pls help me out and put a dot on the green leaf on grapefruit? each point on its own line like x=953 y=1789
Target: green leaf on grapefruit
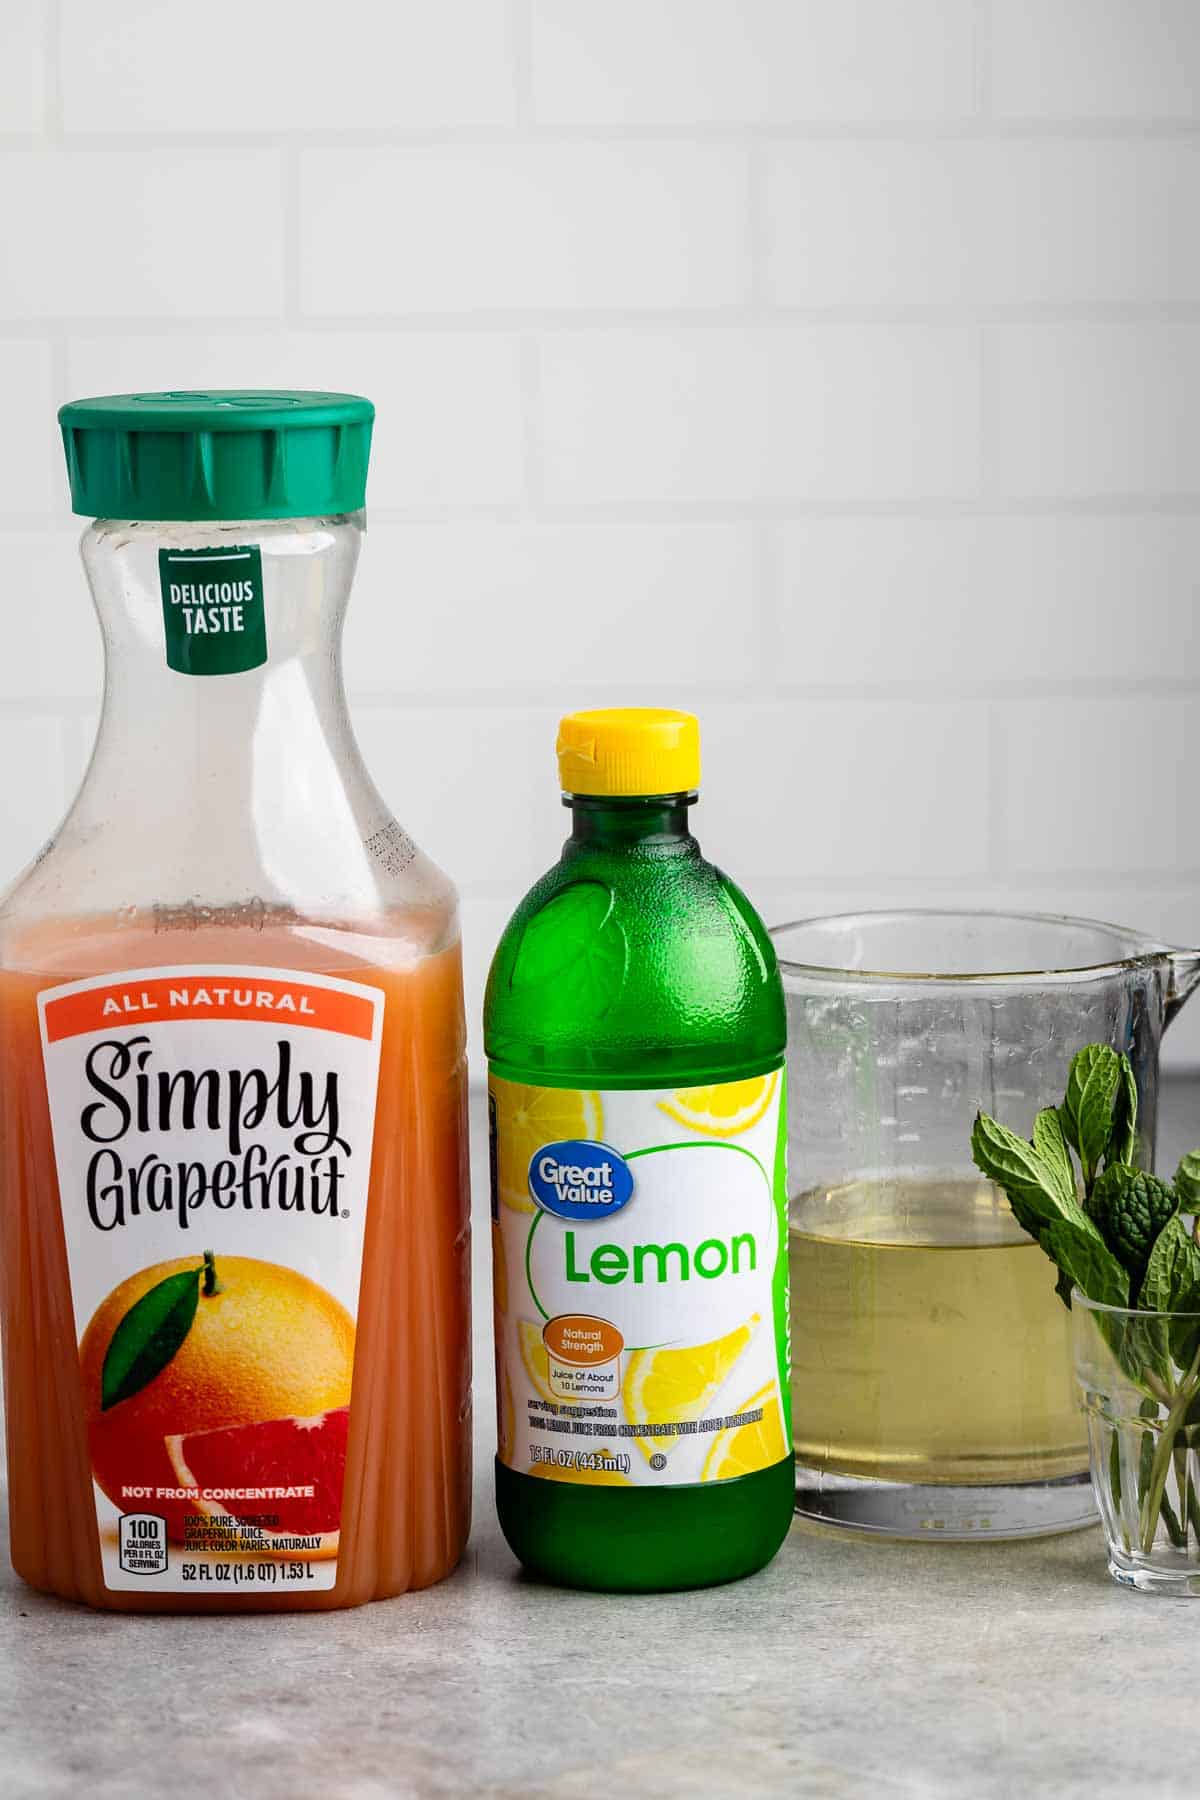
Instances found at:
x=148 y=1336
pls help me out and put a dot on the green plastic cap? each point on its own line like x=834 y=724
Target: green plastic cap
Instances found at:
x=231 y=453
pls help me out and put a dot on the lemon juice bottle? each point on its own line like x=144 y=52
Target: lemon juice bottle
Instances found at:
x=634 y=1025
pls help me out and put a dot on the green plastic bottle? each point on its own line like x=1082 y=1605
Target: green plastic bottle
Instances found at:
x=634 y=1025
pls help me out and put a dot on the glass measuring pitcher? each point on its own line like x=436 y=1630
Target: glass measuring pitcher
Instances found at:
x=931 y=1389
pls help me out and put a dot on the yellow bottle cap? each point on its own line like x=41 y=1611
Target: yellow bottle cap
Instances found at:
x=629 y=750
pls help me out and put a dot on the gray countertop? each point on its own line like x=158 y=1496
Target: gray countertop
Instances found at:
x=846 y=1668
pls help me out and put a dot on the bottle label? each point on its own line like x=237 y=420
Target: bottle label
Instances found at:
x=213 y=613
x=641 y=1281
x=212 y=1138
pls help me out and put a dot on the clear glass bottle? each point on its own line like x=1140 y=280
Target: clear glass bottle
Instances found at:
x=233 y=1195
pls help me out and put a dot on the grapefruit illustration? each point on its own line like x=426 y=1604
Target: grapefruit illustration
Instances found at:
x=309 y=1454
x=246 y=1343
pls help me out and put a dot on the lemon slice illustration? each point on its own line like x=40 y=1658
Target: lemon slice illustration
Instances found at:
x=667 y=1386
x=743 y=1449
x=527 y=1118
x=534 y=1357
x=725 y=1110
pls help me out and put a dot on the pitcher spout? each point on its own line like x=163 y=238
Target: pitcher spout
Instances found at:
x=1182 y=981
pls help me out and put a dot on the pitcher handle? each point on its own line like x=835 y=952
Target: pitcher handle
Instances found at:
x=1183 y=980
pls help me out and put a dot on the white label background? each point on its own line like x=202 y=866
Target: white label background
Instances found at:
x=675 y=1197
x=726 y=1193
x=328 y=1250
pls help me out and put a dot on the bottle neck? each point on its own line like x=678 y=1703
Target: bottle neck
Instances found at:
x=173 y=668
x=231 y=783
x=610 y=822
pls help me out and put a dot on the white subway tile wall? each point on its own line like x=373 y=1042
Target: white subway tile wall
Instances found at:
x=114 y=234
x=869 y=414
x=23 y=67
x=751 y=62
x=829 y=366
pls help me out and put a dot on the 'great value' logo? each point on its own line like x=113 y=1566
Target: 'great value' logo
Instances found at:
x=579 y=1178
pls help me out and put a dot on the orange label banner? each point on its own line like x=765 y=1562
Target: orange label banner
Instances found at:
x=160 y=999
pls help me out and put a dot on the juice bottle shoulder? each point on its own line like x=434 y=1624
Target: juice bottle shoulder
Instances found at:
x=630 y=964
x=239 y=808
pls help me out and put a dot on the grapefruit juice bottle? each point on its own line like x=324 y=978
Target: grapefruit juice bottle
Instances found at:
x=233 y=1202
x=635 y=1033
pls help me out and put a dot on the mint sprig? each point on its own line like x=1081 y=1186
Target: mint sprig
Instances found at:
x=1102 y=1226
x=1119 y=1235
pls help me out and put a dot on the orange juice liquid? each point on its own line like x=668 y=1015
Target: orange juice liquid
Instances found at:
x=406 y=1500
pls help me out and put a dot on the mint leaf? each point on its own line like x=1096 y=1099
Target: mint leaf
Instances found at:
x=1172 y=1284
x=1187 y=1182
x=1082 y=1064
x=1172 y=1279
x=1086 y=1261
x=1087 y=1110
x=1095 y=1115
x=1051 y=1145
x=1122 y=1146
x=1038 y=1178
x=1033 y=1185
x=148 y=1336
x=1130 y=1209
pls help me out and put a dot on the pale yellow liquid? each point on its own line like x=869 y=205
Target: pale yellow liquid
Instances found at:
x=928 y=1344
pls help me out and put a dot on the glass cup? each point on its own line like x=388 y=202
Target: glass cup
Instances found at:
x=1139 y=1373
x=932 y=1391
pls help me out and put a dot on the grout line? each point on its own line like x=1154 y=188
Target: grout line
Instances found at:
x=758 y=227
x=52 y=108
x=982 y=341
x=621 y=136
x=68 y=709
x=520 y=30
x=1175 y=883
x=982 y=72
x=58 y=521
x=782 y=313
x=292 y=238
x=508 y=695
x=57 y=344
x=840 y=892
x=777 y=317
x=81 y=325
x=532 y=445
x=933 y=507
x=769 y=603
x=456 y=513
x=997 y=794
